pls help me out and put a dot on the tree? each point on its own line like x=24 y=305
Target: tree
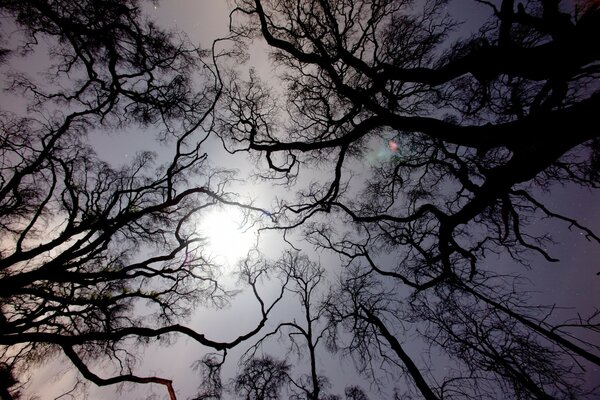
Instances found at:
x=475 y=131
x=304 y=337
x=212 y=386
x=303 y=279
x=355 y=393
x=261 y=378
x=96 y=259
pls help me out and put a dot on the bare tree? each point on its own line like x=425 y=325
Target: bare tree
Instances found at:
x=465 y=125
x=304 y=280
x=360 y=71
x=211 y=387
x=304 y=337
x=261 y=378
x=96 y=259
x=355 y=393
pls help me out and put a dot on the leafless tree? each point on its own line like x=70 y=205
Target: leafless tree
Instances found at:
x=475 y=132
x=304 y=337
x=304 y=280
x=355 y=393
x=211 y=387
x=97 y=259
x=261 y=378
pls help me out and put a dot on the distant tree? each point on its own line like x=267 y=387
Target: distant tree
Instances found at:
x=490 y=351
x=261 y=378
x=96 y=259
x=466 y=126
x=305 y=281
x=464 y=137
x=211 y=387
x=355 y=393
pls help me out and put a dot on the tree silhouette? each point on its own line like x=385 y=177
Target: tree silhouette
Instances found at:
x=305 y=337
x=261 y=379
x=355 y=393
x=464 y=137
x=212 y=386
x=417 y=152
x=95 y=258
x=304 y=280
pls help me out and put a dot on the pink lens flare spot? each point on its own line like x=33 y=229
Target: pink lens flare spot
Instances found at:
x=393 y=145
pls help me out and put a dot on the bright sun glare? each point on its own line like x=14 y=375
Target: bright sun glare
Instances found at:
x=229 y=235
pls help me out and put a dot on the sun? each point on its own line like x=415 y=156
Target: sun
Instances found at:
x=229 y=235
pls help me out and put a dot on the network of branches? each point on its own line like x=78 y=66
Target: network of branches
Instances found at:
x=418 y=152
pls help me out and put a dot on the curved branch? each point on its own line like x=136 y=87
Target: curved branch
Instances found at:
x=85 y=371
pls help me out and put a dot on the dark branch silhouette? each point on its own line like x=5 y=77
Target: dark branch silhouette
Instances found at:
x=469 y=134
x=93 y=254
x=261 y=378
x=416 y=152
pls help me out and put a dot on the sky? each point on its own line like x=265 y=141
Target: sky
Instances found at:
x=572 y=282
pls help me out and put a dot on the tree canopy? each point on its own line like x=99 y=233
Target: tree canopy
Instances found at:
x=416 y=154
